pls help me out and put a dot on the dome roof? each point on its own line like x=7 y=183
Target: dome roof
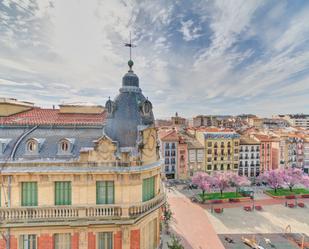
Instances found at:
x=129 y=111
x=130 y=79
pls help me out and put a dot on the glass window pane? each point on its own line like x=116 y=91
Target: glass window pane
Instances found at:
x=63 y=193
x=105 y=240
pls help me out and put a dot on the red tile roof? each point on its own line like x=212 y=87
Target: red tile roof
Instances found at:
x=38 y=116
x=170 y=135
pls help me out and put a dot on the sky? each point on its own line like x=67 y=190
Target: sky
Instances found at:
x=193 y=57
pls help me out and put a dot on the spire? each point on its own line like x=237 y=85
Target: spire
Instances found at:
x=130 y=45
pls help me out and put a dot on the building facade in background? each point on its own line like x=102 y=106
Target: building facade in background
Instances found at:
x=82 y=176
x=249 y=157
x=221 y=149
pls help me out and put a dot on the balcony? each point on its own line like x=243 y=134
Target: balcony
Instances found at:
x=10 y=217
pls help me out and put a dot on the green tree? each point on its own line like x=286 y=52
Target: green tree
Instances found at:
x=175 y=244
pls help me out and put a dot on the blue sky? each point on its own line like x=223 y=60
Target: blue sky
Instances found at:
x=193 y=57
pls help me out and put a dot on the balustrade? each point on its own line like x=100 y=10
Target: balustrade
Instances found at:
x=69 y=213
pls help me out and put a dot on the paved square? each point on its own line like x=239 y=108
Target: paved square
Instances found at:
x=273 y=219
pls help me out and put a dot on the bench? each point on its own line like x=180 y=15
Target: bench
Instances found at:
x=258 y=207
x=247 y=208
x=305 y=196
x=218 y=210
x=291 y=205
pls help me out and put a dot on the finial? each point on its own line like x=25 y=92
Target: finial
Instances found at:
x=130 y=45
x=130 y=63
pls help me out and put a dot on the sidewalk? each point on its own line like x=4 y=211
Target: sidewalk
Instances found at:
x=191 y=224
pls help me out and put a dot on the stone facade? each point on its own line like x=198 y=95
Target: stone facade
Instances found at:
x=74 y=185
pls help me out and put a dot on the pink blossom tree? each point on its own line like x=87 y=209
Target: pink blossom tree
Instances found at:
x=221 y=180
x=203 y=181
x=274 y=178
x=291 y=177
x=238 y=181
x=305 y=181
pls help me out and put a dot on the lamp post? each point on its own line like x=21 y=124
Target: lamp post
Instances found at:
x=252 y=198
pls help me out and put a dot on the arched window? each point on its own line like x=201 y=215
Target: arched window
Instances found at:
x=32 y=146
x=64 y=146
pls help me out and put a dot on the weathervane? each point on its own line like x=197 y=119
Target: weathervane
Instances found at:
x=130 y=45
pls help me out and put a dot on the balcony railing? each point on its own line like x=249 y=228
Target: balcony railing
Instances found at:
x=140 y=208
x=72 y=213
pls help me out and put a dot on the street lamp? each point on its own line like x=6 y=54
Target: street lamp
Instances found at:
x=252 y=198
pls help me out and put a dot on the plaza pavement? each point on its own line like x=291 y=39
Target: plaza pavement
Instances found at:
x=191 y=223
x=273 y=219
x=198 y=228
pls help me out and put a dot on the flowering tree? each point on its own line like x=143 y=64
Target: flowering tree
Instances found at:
x=274 y=178
x=291 y=177
x=238 y=181
x=203 y=181
x=305 y=181
x=221 y=180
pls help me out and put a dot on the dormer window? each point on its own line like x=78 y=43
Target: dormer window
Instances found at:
x=34 y=145
x=3 y=144
x=65 y=146
x=146 y=107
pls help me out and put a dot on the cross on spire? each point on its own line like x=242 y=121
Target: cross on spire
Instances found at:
x=130 y=45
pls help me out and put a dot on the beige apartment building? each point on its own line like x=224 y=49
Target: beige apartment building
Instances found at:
x=82 y=176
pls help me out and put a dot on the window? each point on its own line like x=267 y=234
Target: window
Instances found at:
x=173 y=146
x=236 y=143
x=27 y=241
x=167 y=161
x=228 y=167
x=149 y=235
x=215 y=167
x=173 y=168
x=64 y=146
x=29 y=194
x=167 y=153
x=105 y=192
x=216 y=145
x=32 y=146
x=209 y=151
x=222 y=144
x=173 y=161
x=148 y=188
x=105 y=240
x=167 y=146
x=222 y=167
x=166 y=168
x=208 y=167
x=209 y=144
x=62 y=241
x=63 y=194
x=209 y=159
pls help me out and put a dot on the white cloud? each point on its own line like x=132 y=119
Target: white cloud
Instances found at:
x=73 y=50
x=189 y=31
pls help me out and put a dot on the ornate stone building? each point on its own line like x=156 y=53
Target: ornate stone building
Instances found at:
x=81 y=177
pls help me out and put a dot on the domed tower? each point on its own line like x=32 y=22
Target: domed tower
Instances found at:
x=130 y=119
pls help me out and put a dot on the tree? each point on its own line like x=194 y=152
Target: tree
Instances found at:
x=238 y=181
x=167 y=216
x=291 y=177
x=221 y=180
x=176 y=243
x=203 y=181
x=305 y=181
x=274 y=178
